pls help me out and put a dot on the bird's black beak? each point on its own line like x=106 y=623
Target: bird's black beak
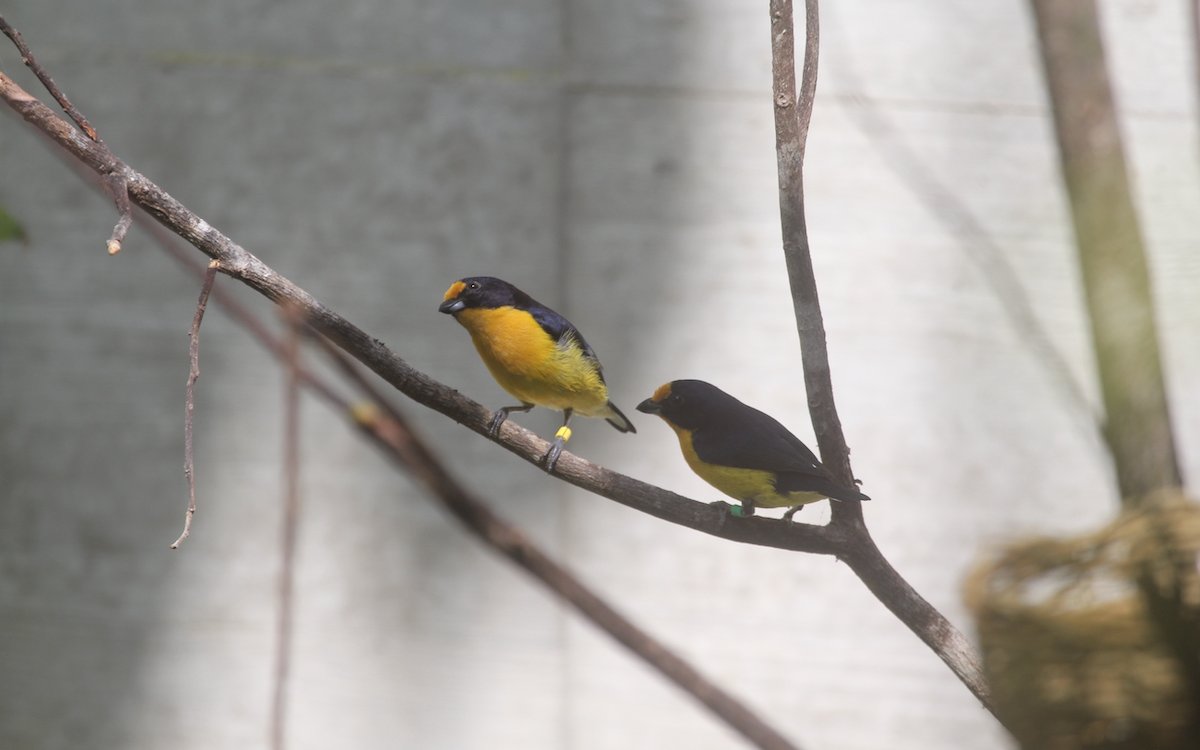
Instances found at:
x=650 y=406
x=451 y=306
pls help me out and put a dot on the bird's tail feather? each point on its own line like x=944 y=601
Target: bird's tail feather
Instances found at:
x=619 y=420
x=845 y=493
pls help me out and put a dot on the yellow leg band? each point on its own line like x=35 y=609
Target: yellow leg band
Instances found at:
x=564 y=433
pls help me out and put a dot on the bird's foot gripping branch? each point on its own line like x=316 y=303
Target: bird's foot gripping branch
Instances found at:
x=534 y=353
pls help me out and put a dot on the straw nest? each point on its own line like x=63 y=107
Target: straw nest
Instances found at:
x=1085 y=640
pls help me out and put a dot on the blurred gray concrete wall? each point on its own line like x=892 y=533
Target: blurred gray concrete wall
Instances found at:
x=616 y=160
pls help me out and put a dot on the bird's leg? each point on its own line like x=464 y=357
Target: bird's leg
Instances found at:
x=502 y=414
x=745 y=511
x=791 y=512
x=560 y=439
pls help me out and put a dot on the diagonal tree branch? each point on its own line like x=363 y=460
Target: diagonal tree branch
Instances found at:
x=793 y=113
x=390 y=429
x=116 y=186
x=846 y=540
x=391 y=433
x=239 y=264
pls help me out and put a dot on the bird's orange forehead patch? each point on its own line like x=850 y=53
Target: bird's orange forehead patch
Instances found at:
x=663 y=391
x=454 y=290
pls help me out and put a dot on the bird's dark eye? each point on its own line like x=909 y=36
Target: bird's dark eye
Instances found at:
x=473 y=285
x=675 y=399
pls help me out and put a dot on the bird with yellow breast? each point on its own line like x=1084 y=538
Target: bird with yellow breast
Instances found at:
x=743 y=452
x=533 y=353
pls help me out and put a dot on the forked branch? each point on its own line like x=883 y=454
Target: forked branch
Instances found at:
x=793 y=112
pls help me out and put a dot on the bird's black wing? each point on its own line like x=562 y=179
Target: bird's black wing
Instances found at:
x=746 y=438
x=561 y=330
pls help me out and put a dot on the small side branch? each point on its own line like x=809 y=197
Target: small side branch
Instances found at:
x=32 y=63
x=189 y=458
x=116 y=183
x=808 y=75
x=118 y=188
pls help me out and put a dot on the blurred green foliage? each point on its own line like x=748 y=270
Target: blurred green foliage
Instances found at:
x=10 y=229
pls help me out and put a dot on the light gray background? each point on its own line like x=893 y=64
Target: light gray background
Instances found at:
x=616 y=160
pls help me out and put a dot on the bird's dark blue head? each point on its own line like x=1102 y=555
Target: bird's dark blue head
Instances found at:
x=690 y=404
x=486 y=292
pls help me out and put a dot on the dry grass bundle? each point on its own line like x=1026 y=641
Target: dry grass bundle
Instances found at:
x=1094 y=642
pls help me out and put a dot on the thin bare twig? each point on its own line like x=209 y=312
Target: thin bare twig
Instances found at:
x=32 y=63
x=289 y=524
x=808 y=74
x=119 y=190
x=860 y=552
x=115 y=183
x=189 y=458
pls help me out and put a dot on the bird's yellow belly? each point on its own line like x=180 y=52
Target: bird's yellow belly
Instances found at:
x=532 y=366
x=742 y=484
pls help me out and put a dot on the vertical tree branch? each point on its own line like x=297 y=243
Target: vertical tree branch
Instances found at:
x=1120 y=302
x=290 y=518
x=793 y=113
x=1116 y=279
